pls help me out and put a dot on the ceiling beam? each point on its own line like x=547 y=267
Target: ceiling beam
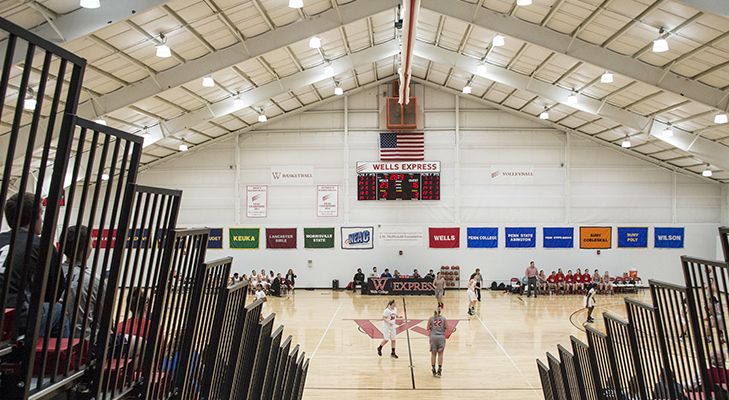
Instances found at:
x=590 y=53
x=717 y=7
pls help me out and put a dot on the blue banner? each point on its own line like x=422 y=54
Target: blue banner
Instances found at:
x=559 y=238
x=668 y=238
x=521 y=237
x=632 y=237
x=215 y=239
x=483 y=238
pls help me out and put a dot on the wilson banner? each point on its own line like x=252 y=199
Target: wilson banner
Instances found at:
x=668 y=238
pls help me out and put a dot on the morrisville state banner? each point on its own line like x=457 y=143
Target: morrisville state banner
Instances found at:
x=280 y=238
x=244 y=238
x=632 y=237
x=318 y=238
x=596 y=237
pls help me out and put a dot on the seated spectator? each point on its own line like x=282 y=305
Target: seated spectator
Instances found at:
x=596 y=279
x=291 y=278
x=552 y=281
x=234 y=279
x=542 y=282
x=386 y=274
x=263 y=279
x=577 y=281
x=415 y=273
x=718 y=375
x=606 y=285
x=81 y=280
x=374 y=274
x=430 y=275
x=396 y=274
x=359 y=279
x=586 y=279
x=276 y=286
x=569 y=282
x=560 y=279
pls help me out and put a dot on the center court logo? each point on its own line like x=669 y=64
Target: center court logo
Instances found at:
x=367 y=326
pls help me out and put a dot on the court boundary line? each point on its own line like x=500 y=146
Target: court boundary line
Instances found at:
x=327 y=330
x=504 y=350
x=410 y=352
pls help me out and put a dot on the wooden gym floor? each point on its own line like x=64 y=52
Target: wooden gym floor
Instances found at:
x=491 y=355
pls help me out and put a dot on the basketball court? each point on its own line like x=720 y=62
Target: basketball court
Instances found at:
x=491 y=355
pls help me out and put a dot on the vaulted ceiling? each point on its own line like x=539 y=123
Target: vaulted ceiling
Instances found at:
x=257 y=52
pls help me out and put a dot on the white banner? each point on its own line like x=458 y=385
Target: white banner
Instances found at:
x=327 y=200
x=368 y=167
x=401 y=236
x=512 y=174
x=292 y=175
x=358 y=238
x=256 y=197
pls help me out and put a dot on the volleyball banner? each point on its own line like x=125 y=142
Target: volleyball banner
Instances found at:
x=357 y=238
x=631 y=237
x=668 y=238
x=559 y=238
x=280 y=238
x=444 y=238
x=482 y=238
x=318 y=238
x=215 y=238
x=521 y=237
x=244 y=238
x=596 y=237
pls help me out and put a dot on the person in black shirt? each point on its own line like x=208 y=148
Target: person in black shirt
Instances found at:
x=276 y=286
x=359 y=279
x=429 y=275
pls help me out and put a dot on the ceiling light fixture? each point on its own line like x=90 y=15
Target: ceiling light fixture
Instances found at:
x=296 y=3
x=315 y=42
x=90 y=3
x=720 y=118
x=523 y=2
x=572 y=98
x=481 y=69
x=329 y=70
x=183 y=145
x=668 y=132
x=467 y=88
x=607 y=77
x=661 y=44
x=707 y=172
x=499 y=40
x=626 y=142
x=338 y=89
x=29 y=103
x=145 y=133
x=208 y=81
x=261 y=115
x=544 y=114
x=104 y=176
x=238 y=102
x=162 y=50
x=100 y=121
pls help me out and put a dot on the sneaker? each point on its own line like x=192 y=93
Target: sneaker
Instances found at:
x=379 y=351
x=590 y=320
x=439 y=373
x=435 y=375
x=393 y=355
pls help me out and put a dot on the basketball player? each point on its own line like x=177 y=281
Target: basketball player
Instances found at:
x=472 y=294
x=439 y=285
x=437 y=327
x=389 y=328
x=261 y=294
x=589 y=301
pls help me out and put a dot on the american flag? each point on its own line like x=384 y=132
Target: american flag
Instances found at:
x=402 y=146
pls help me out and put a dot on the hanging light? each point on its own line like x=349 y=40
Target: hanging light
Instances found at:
x=261 y=115
x=572 y=98
x=668 y=132
x=104 y=176
x=238 y=102
x=145 y=133
x=208 y=81
x=523 y=2
x=90 y=3
x=481 y=69
x=296 y=3
x=315 y=42
x=626 y=142
x=499 y=40
x=720 y=118
x=29 y=102
x=467 y=88
x=100 y=121
x=183 y=145
x=707 y=172
x=661 y=44
x=329 y=70
x=338 y=89
x=162 y=50
x=607 y=77
x=544 y=114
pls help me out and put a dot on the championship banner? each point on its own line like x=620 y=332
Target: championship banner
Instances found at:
x=244 y=238
x=632 y=237
x=559 y=238
x=256 y=199
x=356 y=238
x=668 y=238
x=512 y=174
x=280 y=238
x=521 y=237
x=596 y=237
x=102 y=242
x=444 y=238
x=318 y=238
x=215 y=238
x=292 y=176
x=400 y=236
x=327 y=199
x=482 y=238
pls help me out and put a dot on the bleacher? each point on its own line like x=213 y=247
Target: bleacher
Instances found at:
x=673 y=348
x=164 y=322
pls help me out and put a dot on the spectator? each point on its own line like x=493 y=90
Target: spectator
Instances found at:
x=552 y=281
x=718 y=375
x=606 y=285
x=291 y=277
x=254 y=279
x=415 y=273
x=430 y=275
x=597 y=279
x=386 y=274
x=542 y=278
x=479 y=283
x=531 y=275
x=81 y=279
x=396 y=274
x=569 y=281
x=234 y=279
x=577 y=281
x=560 y=279
x=359 y=279
x=276 y=286
x=716 y=320
x=263 y=279
x=586 y=278
x=374 y=273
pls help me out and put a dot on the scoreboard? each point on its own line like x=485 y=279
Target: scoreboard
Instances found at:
x=396 y=184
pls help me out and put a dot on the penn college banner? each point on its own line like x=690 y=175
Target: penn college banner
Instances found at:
x=559 y=238
x=327 y=199
x=292 y=176
x=482 y=238
x=444 y=238
x=632 y=237
x=520 y=237
x=512 y=174
x=357 y=238
x=401 y=236
x=215 y=239
x=256 y=199
x=668 y=238
x=596 y=237
x=244 y=238
x=318 y=238
x=280 y=238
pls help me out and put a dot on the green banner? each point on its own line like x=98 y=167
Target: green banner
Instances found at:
x=244 y=238
x=318 y=238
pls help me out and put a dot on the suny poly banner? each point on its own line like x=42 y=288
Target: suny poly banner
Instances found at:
x=632 y=237
x=444 y=238
x=355 y=238
x=559 y=238
x=668 y=238
x=521 y=237
x=483 y=238
x=596 y=237
x=244 y=238
x=280 y=238
x=318 y=238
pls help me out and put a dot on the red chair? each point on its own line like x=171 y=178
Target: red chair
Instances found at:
x=7 y=324
x=618 y=284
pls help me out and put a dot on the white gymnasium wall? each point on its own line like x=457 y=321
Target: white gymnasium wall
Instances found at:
x=577 y=182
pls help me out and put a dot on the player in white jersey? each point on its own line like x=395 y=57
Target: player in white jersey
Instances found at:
x=472 y=295
x=389 y=327
x=437 y=325
x=261 y=294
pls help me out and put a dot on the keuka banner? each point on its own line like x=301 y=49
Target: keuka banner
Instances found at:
x=215 y=239
x=668 y=238
x=596 y=237
x=280 y=238
x=444 y=238
x=244 y=238
x=559 y=238
x=318 y=238
x=356 y=238
x=521 y=237
x=483 y=238
x=632 y=237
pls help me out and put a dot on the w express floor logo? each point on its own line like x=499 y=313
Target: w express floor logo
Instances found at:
x=367 y=326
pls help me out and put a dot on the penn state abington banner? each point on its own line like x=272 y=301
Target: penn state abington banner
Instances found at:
x=483 y=238
x=444 y=238
x=521 y=237
x=635 y=237
x=559 y=238
x=668 y=238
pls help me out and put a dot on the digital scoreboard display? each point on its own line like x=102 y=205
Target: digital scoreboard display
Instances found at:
x=398 y=186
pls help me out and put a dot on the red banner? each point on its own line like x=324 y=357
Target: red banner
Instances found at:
x=444 y=238
x=280 y=238
x=97 y=242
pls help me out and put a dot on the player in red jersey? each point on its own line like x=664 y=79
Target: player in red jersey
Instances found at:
x=577 y=281
x=560 y=280
x=552 y=280
x=569 y=282
x=586 y=279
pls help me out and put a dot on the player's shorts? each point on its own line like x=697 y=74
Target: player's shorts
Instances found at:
x=471 y=296
x=437 y=343
x=389 y=332
x=590 y=303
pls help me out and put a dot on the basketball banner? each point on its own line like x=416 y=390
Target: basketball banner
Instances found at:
x=482 y=238
x=318 y=238
x=632 y=237
x=357 y=238
x=559 y=238
x=327 y=197
x=244 y=238
x=596 y=237
x=256 y=199
x=521 y=237
x=280 y=238
x=444 y=238
x=668 y=238
x=215 y=238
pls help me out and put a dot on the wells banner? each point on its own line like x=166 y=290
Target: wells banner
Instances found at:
x=244 y=238
x=280 y=238
x=668 y=238
x=596 y=237
x=559 y=238
x=633 y=237
x=355 y=238
x=521 y=237
x=444 y=238
x=215 y=239
x=318 y=238
x=483 y=238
